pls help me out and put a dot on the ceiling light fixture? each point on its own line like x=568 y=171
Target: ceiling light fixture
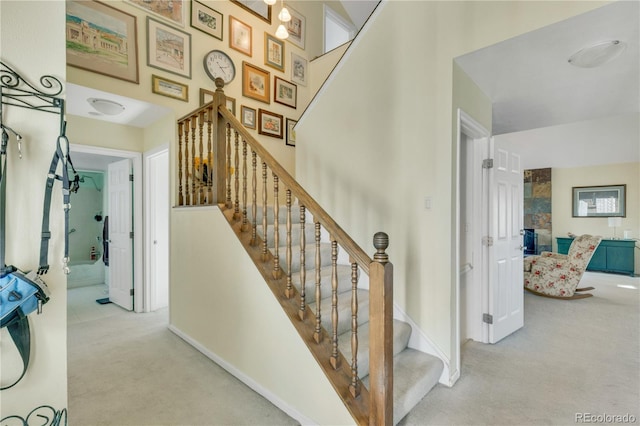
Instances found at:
x=270 y=2
x=106 y=106
x=598 y=54
x=283 y=16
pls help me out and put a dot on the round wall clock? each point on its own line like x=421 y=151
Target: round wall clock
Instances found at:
x=219 y=64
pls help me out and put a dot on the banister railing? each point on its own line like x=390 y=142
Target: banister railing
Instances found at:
x=213 y=168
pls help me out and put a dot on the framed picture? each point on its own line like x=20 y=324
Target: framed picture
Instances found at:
x=240 y=36
x=206 y=96
x=299 y=69
x=206 y=19
x=171 y=11
x=256 y=83
x=296 y=27
x=119 y=57
x=172 y=89
x=258 y=8
x=248 y=117
x=599 y=201
x=168 y=49
x=273 y=52
x=269 y=123
x=291 y=134
x=285 y=92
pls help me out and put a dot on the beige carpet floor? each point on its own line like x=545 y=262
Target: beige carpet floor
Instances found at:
x=571 y=357
x=129 y=369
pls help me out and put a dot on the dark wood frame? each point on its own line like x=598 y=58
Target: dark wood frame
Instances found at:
x=622 y=197
x=290 y=138
x=279 y=82
x=264 y=113
x=265 y=17
x=218 y=33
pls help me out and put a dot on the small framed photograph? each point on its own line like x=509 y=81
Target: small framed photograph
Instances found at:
x=257 y=8
x=248 y=117
x=170 y=11
x=269 y=123
x=273 y=52
x=291 y=133
x=172 y=89
x=599 y=201
x=240 y=36
x=206 y=19
x=296 y=27
x=285 y=92
x=299 y=69
x=256 y=83
x=119 y=27
x=206 y=96
x=168 y=49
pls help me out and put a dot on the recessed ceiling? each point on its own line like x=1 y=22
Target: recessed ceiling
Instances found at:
x=532 y=85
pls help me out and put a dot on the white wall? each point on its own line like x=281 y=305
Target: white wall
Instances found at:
x=373 y=156
x=33 y=55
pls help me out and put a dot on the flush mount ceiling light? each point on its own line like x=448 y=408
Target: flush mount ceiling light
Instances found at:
x=598 y=54
x=106 y=106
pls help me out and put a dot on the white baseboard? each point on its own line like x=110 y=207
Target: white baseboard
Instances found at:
x=422 y=343
x=275 y=400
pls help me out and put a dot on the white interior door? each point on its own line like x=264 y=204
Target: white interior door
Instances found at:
x=158 y=235
x=120 y=234
x=506 y=295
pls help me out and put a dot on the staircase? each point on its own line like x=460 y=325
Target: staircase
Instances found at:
x=314 y=269
x=414 y=372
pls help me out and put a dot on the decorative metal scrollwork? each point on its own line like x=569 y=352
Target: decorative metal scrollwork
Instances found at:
x=16 y=91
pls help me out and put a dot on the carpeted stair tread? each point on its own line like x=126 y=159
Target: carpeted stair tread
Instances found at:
x=309 y=233
x=310 y=256
x=401 y=334
x=415 y=373
x=344 y=281
x=282 y=215
x=344 y=310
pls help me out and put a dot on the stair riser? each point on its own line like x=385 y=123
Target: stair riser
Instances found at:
x=344 y=310
x=309 y=233
x=344 y=281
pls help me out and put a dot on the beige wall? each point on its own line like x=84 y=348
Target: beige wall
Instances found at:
x=372 y=157
x=32 y=55
x=228 y=310
x=85 y=131
x=563 y=180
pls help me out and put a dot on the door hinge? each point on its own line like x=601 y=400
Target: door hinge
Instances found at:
x=487 y=241
x=131 y=234
x=131 y=292
x=488 y=318
x=487 y=163
x=131 y=177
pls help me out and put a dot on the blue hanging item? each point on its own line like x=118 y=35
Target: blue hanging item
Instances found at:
x=23 y=293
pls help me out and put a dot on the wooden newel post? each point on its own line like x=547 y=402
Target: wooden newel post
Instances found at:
x=220 y=150
x=381 y=334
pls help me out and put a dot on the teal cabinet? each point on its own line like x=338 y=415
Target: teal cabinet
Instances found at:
x=610 y=256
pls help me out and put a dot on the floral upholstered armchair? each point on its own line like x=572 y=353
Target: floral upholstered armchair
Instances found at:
x=557 y=275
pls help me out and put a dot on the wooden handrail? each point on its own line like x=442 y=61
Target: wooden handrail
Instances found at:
x=304 y=198
x=213 y=185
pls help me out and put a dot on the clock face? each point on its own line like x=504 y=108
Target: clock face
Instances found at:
x=219 y=64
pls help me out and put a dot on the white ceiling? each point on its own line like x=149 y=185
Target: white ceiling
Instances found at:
x=532 y=85
x=136 y=113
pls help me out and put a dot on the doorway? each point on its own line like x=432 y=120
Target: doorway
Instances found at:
x=100 y=158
